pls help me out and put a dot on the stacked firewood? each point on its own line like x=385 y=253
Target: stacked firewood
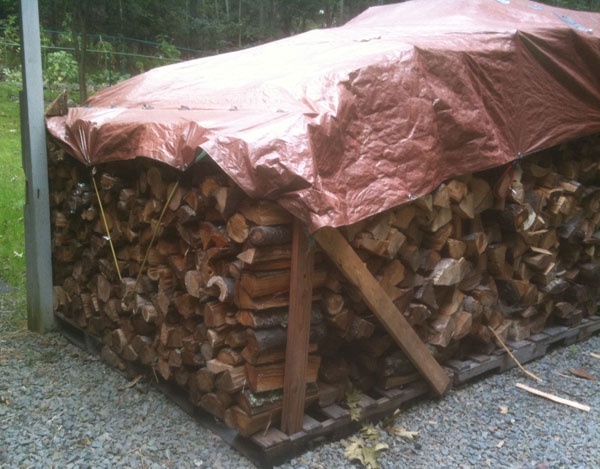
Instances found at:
x=201 y=292
x=505 y=252
x=202 y=285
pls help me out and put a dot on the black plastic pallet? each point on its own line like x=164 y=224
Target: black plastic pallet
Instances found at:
x=274 y=447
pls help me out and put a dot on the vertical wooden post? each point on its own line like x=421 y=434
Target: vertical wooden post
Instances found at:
x=40 y=316
x=298 y=331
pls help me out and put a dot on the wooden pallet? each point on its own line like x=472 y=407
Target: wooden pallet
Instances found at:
x=532 y=348
x=274 y=447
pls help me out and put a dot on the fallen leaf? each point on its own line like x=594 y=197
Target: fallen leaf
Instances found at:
x=353 y=398
x=595 y=355
x=370 y=432
x=390 y=419
x=581 y=373
x=131 y=383
x=358 y=450
x=4 y=400
x=404 y=433
x=503 y=409
x=354 y=414
x=500 y=444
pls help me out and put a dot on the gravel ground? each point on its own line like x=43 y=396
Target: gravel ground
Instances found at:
x=60 y=407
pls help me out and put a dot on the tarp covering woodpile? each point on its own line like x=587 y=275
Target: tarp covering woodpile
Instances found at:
x=340 y=124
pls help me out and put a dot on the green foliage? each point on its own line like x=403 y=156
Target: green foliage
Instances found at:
x=166 y=49
x=11 y=29
x=106 y=77
x=591 y=5
x=61 y=67
x=172 y=30
x=11 y=55
x=11 y=75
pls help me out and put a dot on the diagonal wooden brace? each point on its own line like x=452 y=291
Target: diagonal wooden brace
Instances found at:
x=346 y=259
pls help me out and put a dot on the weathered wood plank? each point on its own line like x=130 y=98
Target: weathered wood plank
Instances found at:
x=298 y=331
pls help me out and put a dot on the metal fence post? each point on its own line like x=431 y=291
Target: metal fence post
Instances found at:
x=40 y=316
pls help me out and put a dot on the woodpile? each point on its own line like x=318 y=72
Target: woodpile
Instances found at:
x=202 y=285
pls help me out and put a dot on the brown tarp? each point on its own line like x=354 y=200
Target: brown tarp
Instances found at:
x=340 y=124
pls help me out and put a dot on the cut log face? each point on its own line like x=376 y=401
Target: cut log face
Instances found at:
x=205 y=294
x=226 y=288
x=237 y=228
x=456 y=248
x=450 y=271
x=262 y=255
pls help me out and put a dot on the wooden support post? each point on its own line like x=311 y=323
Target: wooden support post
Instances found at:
x=342 y=254
x=298 y=331
x=40 y=316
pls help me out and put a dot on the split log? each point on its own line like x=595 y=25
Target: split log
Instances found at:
x=269 y=377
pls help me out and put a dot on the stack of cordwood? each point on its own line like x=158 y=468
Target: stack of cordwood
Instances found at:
x=201 y=294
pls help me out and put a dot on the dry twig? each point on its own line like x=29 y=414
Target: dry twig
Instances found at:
x=554 y=398
x=528 y=373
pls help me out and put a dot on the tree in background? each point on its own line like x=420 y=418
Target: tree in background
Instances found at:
x=175 y=29
x=80 y=9
x=213 y=25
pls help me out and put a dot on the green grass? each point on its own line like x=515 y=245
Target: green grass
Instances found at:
x=12 y=189
x=12 y=201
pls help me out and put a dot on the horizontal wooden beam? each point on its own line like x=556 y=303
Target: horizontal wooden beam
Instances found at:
x=346 y=259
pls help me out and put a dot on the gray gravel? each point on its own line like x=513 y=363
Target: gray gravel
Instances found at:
x=60 y=407
x=491 y=423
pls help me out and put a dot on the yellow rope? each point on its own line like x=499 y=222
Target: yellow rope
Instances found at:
x=528 y=373
x=137 y=280
x=112 y=248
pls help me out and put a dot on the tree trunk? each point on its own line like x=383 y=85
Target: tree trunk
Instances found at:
x=239 y=23
x=79 y=29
